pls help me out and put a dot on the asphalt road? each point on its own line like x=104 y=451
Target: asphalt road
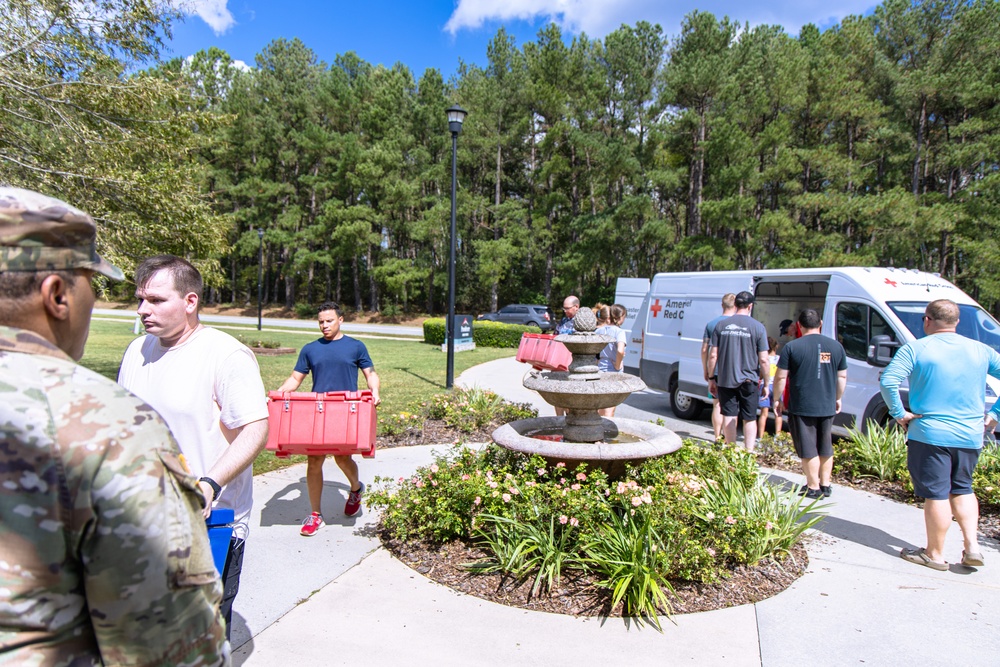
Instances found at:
x=273 y=322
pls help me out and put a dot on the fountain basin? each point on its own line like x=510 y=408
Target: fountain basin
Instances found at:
x=652 y=441
x=606 y=390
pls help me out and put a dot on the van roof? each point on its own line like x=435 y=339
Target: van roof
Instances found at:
x=885 y=283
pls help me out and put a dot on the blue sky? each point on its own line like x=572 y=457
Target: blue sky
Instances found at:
x=439 y=33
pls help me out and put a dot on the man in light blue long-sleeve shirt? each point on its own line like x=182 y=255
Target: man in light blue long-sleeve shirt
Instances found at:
x=947 y=374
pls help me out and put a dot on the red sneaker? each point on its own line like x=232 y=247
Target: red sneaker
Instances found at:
x=312 y=523
x=353 y=505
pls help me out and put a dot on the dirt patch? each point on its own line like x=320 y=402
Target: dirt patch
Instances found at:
x=272 y=351
x=578 y=595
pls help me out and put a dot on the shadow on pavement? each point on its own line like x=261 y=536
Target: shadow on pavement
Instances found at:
x=859 y=533
x=242 y=638
x=290 y=505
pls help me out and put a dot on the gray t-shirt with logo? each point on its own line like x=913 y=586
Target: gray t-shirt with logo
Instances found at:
x=739 y=339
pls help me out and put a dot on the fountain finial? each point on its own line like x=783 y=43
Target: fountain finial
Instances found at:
x=585 y=321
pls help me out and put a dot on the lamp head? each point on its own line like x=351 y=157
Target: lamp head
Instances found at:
x=456 y=116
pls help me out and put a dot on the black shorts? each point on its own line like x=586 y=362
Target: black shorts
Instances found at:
x=938 y=472
x=741 y=400
x=812 y=436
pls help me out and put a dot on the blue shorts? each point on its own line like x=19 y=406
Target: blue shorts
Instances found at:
x=938 y=472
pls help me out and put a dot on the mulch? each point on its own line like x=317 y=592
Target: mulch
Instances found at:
x=577 y=594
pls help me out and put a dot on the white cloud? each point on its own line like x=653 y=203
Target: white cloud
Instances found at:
x=213 y=12
x=599 y=17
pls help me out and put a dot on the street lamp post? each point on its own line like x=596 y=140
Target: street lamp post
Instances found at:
x=456 y=115
x=260 y=278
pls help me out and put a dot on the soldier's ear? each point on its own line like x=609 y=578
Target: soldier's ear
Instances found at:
x=54 y=290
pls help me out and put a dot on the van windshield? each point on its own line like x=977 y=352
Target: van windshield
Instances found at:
x=973 y=321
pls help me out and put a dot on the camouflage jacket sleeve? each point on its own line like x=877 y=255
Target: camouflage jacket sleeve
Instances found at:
x=101 y=525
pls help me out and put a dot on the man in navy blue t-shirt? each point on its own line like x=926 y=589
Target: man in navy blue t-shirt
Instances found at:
x=334 y=361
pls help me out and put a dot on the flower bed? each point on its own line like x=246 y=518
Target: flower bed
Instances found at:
x=694 y=516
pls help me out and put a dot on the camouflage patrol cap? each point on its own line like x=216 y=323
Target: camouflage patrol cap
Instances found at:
x=39 y=233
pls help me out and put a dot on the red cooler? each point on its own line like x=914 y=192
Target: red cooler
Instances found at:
x=335 y=422
x=543 y=352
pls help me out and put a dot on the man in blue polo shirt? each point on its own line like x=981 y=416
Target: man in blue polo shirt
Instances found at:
x=947 y=374
x=334 y=361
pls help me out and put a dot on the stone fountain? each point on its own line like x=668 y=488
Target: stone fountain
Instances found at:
x=583 y=435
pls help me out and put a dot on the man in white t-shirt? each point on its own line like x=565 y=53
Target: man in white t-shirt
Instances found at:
x=207 y=387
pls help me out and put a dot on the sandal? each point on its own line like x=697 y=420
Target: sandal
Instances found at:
x=920 y=557
x=972 y=559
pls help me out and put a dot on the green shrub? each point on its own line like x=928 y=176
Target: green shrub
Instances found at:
x=484 y=333
x=879 y=452
x=631 y=556
x=986 y=477
x=468 y=410
x=305 y=310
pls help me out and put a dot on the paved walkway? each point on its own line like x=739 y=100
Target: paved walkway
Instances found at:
x=339 y=599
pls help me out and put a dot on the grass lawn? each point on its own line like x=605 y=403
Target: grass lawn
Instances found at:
x=411 y=371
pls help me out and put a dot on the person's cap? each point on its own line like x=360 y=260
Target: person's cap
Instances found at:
x=744 y=299
x=783 y=327
x=39 y=233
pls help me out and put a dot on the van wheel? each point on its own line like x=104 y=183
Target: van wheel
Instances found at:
x=684 y=406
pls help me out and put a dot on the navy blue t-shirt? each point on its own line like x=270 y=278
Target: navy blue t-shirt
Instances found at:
x=334 y=364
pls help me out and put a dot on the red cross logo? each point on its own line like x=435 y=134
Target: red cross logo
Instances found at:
x=656 y=308
x=890 y=282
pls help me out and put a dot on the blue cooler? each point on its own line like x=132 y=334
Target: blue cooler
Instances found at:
x=220 y=532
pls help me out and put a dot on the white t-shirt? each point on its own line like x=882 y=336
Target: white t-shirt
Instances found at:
x=205 y=388
x=606 y=362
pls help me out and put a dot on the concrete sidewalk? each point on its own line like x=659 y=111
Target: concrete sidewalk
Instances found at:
x=338 y=598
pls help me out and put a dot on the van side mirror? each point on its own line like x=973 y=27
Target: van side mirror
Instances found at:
x=880 y=350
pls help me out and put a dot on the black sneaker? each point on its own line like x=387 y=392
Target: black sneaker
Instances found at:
x=813 y=494
x=827 y=490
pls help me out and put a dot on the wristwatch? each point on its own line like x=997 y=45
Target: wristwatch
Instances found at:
x=216 y=489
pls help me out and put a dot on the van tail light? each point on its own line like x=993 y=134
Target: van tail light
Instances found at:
x=547 y=319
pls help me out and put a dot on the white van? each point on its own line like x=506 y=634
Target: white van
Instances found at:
x=856 y=304
x=631 y=293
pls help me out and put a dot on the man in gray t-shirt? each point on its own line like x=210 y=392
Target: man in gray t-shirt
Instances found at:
x=740 y=369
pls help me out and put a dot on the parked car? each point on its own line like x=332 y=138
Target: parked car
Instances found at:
x=531 y=315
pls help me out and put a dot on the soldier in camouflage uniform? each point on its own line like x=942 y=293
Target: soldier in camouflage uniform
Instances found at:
x=105 y=557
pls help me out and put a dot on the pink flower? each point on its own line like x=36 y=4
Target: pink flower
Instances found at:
x=477 y=500
x=562 y=480
x=730 y=520
x=531 y=483
x=768 y=526
x=506 y=497
x=541 y=471
x=434 y=467
x=419 y=484
x=465 y=478
x=514 y=491
x=580 y=476
x=574 y=522
x=496 y=494
x=400 y=480
x=711 y=551
x=492 y=485
x=560 y=465
x=563 y=519
x=636 y=500
x=575 y=487
x=433 y=483
x=710 y=516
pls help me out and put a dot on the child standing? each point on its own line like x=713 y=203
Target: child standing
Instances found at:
x=765 y=403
